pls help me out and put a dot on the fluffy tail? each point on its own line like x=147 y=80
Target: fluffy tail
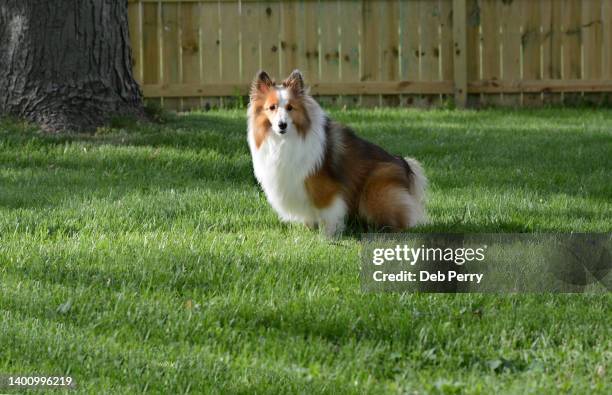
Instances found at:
x=418 y=187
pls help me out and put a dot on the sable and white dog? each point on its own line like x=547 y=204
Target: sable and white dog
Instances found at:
x=318 y=172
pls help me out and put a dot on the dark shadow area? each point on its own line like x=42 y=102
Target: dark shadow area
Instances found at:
x=196 y=131
x=43 y=170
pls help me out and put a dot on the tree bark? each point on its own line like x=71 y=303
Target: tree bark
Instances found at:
x=67 y=64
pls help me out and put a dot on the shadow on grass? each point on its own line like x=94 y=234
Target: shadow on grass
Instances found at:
x=42 y=170
x=196 y=131
x=39 y=170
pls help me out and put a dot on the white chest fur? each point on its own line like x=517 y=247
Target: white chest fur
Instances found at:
x=282 y=164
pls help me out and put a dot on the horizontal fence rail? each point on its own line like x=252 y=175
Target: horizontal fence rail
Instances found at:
x=201 y=53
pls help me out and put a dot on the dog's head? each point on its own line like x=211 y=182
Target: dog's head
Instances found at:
x=280 y=107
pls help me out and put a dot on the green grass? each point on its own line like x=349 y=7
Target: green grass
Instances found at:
x=147 y=259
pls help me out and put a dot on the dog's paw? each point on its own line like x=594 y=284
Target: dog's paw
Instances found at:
x=333 y=230
x=312 y=225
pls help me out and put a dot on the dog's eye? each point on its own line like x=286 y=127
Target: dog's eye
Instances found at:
x=272 y=107
x=289 y=107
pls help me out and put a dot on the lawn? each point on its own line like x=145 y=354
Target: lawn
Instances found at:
x=145 y=258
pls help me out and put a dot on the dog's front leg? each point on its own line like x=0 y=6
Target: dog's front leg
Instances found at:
x=332 y=217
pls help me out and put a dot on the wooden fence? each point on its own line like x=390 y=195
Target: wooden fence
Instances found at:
x=194 y=53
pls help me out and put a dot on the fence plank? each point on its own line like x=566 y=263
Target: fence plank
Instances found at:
x=150 y=44
x=430 y=48
x=308 y=50
x=428 y=12
x=210 y=42
x=572 y=44
x=371 y=65
x=249 y=39
x=389 y=47
x=371 y=61
x=531 y=40
x=511 y=49
x=328 y=41
x=607 y=40
x=490 y=16
x=446 y=39
x=350 y=54
x=389 y=44
x=460 y=53
x=230 y=48
x=410 y=46
x=473 y=46
x=269 y=24
x=551 y=45
x=288 y=44
x=170 y=50
x=592 y=37
x=329 y=64
x=190 y=50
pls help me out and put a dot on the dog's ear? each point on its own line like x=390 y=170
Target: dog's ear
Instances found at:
x=261 y=84
x=295 y=82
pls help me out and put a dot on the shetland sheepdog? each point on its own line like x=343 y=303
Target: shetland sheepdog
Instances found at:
x=317 y=172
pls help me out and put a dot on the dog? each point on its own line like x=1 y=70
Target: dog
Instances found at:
x=318 y=172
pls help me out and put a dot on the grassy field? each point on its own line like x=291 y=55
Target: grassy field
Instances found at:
x=145 y=258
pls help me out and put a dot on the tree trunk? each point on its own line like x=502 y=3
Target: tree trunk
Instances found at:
x=67 y=64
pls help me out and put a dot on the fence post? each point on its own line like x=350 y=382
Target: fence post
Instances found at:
x=460 y=52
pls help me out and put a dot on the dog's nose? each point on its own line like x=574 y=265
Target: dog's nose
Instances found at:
x=282 y=125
